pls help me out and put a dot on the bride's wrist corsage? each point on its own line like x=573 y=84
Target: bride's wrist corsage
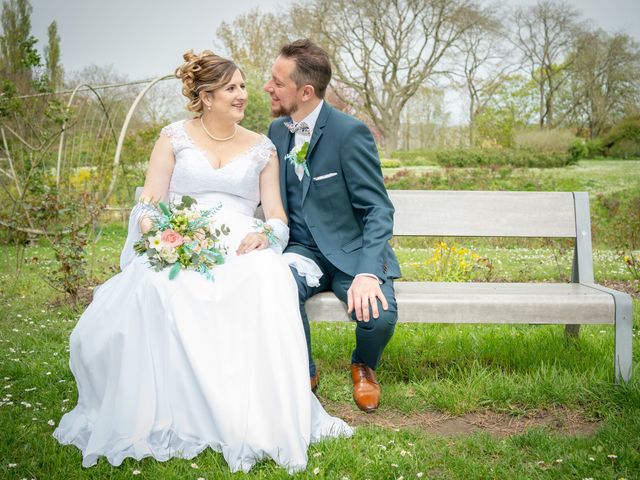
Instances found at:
x=298 y=158
x=267 y=231
x=276 y=231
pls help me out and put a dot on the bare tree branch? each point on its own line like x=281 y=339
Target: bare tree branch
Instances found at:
x=385 y=50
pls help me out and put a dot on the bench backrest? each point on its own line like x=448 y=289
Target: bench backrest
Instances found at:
x=443 y=213
x=483 y=214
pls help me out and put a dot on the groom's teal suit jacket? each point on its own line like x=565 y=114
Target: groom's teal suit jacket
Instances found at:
x=344 y=201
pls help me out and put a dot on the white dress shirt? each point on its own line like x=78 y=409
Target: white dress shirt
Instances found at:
x=310 y=120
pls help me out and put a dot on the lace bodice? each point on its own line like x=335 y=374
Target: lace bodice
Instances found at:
x=236 y=185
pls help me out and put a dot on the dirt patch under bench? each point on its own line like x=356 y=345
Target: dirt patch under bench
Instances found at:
x=562 y=421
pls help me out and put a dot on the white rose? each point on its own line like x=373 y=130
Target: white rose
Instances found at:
x=192 y=214
x=168 y=254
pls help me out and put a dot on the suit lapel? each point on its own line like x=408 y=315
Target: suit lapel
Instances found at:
x=317 y=133
x=283 y=143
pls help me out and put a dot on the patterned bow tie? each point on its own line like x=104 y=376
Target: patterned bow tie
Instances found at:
x=301 y=127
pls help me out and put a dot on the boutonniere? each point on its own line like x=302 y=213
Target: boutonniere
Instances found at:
x=298 y=158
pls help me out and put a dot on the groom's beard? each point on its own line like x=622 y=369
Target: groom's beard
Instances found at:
x=283 y=111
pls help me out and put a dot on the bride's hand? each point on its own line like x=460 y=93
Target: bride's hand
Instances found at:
x=145 y=225
x=253 y=241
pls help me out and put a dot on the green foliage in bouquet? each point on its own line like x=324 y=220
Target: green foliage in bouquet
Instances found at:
x=183 y=237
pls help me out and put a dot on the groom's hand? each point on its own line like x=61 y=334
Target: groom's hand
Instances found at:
x=363 y=292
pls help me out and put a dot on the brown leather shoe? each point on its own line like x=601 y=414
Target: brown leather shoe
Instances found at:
x=315 y=381
x=366 y=390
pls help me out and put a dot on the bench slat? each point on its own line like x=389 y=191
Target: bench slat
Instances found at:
x=438 y=302
x=483 y=214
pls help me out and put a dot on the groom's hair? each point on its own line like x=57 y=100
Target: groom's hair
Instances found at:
x=313 y=66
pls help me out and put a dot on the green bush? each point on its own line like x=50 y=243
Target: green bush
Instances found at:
x=390 y=163
x=500 y=178
x=616 y=219
x=414 y=158
x=623 y=141
x=595 y=148
x=483 y=157
x=476 y=157
x=624 y=148
x=578 y=149
x=536 y=140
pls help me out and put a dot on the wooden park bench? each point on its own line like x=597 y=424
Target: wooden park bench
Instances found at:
x=501 y=214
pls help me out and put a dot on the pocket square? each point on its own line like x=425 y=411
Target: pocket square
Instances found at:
x=324 y=177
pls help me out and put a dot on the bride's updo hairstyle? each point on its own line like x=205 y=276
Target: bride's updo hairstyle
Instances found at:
x=204 y=72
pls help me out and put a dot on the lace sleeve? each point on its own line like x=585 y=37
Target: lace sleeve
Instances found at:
x=265 y=150
x=176 y=133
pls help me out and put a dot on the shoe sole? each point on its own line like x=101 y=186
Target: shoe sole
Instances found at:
x=366 y=410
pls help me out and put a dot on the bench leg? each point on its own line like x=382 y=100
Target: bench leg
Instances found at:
x=572 y=331
x=624 y=331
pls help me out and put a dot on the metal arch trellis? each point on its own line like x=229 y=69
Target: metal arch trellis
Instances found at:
x=64 y=125
x=64 y=160
x=123 y=132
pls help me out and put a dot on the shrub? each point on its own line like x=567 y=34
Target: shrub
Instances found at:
x=475 y=157
x=412 y=158
x=623 y=141
x=624 y=149
x=578 y=149
x=500 y=178
x=556 y=140
x=616 y=223
x=390 y=163
x=616 y=218
x=595 y=148
x=70 y=275
x=632 y=262
x=455 y=263
x=483 y=157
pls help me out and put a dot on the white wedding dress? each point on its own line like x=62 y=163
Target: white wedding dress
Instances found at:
x=166 y=368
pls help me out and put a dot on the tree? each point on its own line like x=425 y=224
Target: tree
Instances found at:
x=17 y=46
x=52 y=57
x=511 y=107
x=605 y=80
x=485 y=64
x=424 y=120
x=253 y=40
x=545 y=34
x=257 y=115
x=386 y=49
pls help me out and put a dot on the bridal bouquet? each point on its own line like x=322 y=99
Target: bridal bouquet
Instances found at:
x=183 y=237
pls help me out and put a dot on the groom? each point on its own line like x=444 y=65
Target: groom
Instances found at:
x=340 y=216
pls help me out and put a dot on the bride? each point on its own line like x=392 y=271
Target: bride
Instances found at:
x=166 y=368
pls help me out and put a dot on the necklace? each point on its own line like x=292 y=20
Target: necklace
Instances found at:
x=235 y=130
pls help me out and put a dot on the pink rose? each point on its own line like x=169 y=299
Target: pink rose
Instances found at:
x=171 y=238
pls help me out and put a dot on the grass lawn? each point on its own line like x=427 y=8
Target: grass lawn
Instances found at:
x=602 y=176
x=459 y=401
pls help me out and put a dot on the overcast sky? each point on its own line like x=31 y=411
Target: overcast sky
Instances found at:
x=146 y=38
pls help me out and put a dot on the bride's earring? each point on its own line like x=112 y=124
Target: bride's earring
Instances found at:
x=208 y=107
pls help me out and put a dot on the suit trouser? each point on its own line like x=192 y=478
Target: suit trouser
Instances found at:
x=371 y=336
